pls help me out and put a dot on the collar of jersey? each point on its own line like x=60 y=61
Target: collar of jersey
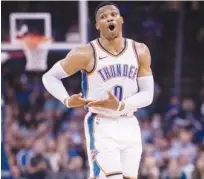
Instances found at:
x=120 y=53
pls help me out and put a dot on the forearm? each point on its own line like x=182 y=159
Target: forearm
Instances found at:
x=53 y=84
x=144 y=97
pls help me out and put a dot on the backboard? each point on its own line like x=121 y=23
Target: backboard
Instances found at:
x=40 y=19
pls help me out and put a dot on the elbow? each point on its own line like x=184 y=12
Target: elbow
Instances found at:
x=149 y=102
x=147 y=99
x=150 y=98
x=44 y=79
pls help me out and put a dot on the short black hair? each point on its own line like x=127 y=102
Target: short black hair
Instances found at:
x=105 y=3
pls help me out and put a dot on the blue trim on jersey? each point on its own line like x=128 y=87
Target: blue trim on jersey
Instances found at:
x=91 y=145
x=94 y=53
x=84 y=84
x=96 y=169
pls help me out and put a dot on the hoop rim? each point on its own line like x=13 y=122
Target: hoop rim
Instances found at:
x=32 y=41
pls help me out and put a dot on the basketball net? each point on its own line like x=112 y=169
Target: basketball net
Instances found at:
x=36 y=56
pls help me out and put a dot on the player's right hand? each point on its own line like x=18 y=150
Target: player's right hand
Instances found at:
x=76 y=100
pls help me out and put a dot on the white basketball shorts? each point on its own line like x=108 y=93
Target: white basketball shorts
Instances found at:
x=114 y=146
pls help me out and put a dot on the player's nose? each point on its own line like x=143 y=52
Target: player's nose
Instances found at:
x=110 y=19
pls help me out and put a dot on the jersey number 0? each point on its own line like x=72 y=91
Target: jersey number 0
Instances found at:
x=118 y=92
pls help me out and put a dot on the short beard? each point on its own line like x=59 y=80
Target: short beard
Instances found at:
x=112 y=38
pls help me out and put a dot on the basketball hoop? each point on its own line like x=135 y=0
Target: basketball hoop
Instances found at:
x=35 y=51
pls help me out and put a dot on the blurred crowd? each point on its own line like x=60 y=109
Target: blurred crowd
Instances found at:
x=44 y=139
x=173 y=140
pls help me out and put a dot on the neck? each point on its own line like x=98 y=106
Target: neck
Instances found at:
x=114 y=46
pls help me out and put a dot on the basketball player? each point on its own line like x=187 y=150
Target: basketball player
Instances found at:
x=116 y=81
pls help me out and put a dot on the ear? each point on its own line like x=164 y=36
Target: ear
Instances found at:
x=122 y=19
x=97 y=26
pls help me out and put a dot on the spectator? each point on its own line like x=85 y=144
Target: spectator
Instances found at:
x=198 y=172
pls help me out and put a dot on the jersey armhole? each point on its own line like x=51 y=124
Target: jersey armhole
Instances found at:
x=137 y=56
x=135 y=51
x=94 y=58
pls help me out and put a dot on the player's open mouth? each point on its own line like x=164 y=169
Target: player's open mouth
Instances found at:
x=111 y=27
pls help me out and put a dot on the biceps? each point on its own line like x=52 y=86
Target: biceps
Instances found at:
x=144 y=71
x=145 y=63
x=73 y=62
x=69 y=66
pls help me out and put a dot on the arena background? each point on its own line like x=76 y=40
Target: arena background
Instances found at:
x=43 y=139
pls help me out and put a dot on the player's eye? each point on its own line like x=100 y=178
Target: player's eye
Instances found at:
x=113 y=14
x=103 y=17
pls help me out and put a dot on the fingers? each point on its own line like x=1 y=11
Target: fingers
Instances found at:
x=76 y=100
x=77 y=95
x=110 y=95
x=92 y=103
x=97 y=103
x=88 y=101
x=85 y=101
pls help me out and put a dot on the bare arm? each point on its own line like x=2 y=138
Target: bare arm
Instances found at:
x=78 y=59
x=144 y=60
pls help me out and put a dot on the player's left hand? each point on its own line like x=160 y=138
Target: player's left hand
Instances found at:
x=111 y=102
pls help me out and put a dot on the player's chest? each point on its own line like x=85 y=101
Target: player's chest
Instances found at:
x=110 y=68
x=104 y=59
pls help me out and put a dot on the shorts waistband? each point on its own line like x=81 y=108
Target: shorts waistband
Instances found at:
x=114 y=115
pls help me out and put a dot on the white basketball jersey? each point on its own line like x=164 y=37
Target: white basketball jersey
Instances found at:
x=116 y=73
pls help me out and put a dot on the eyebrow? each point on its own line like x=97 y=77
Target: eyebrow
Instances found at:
x=103 y=11
x=113 y=9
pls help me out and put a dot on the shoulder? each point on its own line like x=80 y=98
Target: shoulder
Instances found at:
x=81 y=54
x=79 y=58
x=85 y=50
x=141 y=48
x=144 y=59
